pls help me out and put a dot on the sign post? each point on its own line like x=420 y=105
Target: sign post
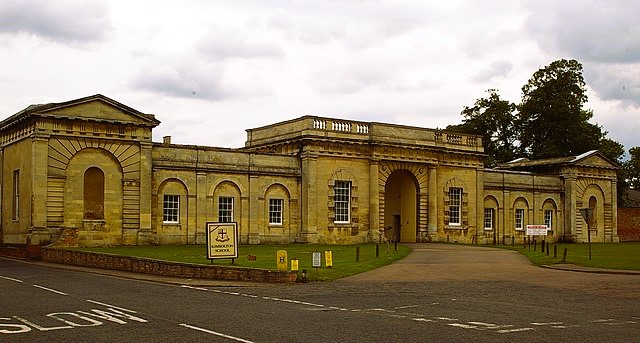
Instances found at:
x=536 y=230
x=222 y=241
x=587 y=214
x=317 y=260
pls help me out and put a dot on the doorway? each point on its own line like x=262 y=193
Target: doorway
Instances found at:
x=401 y=207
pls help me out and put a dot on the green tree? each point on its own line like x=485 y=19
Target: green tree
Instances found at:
x=551 y=118
x=615 y=151
x=632 y=168
x=494 y=119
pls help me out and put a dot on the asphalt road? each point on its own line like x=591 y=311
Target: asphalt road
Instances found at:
x=440 y=293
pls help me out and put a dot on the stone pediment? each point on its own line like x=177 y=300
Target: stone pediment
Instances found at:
x=594 y=158
x=93 y=108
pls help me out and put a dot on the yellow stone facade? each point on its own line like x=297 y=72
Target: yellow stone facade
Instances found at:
x=86 y=173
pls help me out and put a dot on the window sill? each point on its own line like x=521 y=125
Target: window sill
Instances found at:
x=455 y=227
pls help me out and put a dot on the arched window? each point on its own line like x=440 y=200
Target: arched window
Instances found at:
x=94 y=193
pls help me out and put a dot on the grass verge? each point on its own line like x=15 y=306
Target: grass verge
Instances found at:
x=624 y=256
x=344 y=256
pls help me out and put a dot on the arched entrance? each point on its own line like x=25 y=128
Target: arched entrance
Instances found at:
x=401 y=207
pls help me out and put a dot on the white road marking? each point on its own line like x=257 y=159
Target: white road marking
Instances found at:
x=602 y=320
x=464 y=326
x=515 y=330
x=500 y=328
x=215 y=333
x=111 y=306
x=50 y=290
x=10 y=278
x=550 y=323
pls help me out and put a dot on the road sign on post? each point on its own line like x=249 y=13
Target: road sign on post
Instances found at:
x=537 y=230
x=587 y=214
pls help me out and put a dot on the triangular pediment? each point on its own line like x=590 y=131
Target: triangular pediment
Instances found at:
x=594 y=159
x=96 y=107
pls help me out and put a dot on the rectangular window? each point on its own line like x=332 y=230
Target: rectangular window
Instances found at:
x=275 y=211
x=548 y=219
x=225 y=209
x=455 y=206
x=171 y=209
x=488 y=219
x=342 y=201
x=16 y=195
x=519 y=219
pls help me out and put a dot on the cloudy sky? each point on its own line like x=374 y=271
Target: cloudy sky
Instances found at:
x=209 y=70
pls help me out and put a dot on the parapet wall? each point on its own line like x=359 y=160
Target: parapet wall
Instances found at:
x=164 y=268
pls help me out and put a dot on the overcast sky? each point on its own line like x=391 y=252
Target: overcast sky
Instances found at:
x=208 y=70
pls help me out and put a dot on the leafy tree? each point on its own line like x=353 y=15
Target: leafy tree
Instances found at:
x=615 y=151
x=551 y=118
x=494 y=119
x=632 y=168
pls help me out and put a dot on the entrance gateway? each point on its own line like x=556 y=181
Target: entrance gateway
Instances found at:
x=401 y=207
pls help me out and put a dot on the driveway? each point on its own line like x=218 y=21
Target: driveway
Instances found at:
x=450 y=262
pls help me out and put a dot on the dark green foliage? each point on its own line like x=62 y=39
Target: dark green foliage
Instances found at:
x=550 y=122
x=493 y=118
x=551 y=118
x=632 y=168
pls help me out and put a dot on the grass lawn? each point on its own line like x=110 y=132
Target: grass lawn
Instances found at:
x=344 y=256
x=603 y=255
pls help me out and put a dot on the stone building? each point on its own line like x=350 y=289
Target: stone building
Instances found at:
x=86 y=172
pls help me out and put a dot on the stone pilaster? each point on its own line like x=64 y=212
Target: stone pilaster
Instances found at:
x=39 y=162
x=570 y=208
x=374 y=203
x=433 y=202
x=201 y=208
x=309 y=229
x=145 y=234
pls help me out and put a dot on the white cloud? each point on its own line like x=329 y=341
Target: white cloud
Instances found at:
x=57 y=20
x=197 y=64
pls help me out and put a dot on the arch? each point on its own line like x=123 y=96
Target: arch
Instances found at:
x=490 y=217
x=520 y=214
x=172 y=202
x=401 y=206
x=93 y=193
x=172 y=179
x=420 y=173
x=63 y=149
x=227 y=202
x=85 y=171
x=593 y=197
x=277 y=211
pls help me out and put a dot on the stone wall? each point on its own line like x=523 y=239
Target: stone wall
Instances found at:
x=164 y=268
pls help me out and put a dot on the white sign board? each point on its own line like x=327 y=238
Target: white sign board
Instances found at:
x=222 y=240
x=317 y=260
x=536 y=230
